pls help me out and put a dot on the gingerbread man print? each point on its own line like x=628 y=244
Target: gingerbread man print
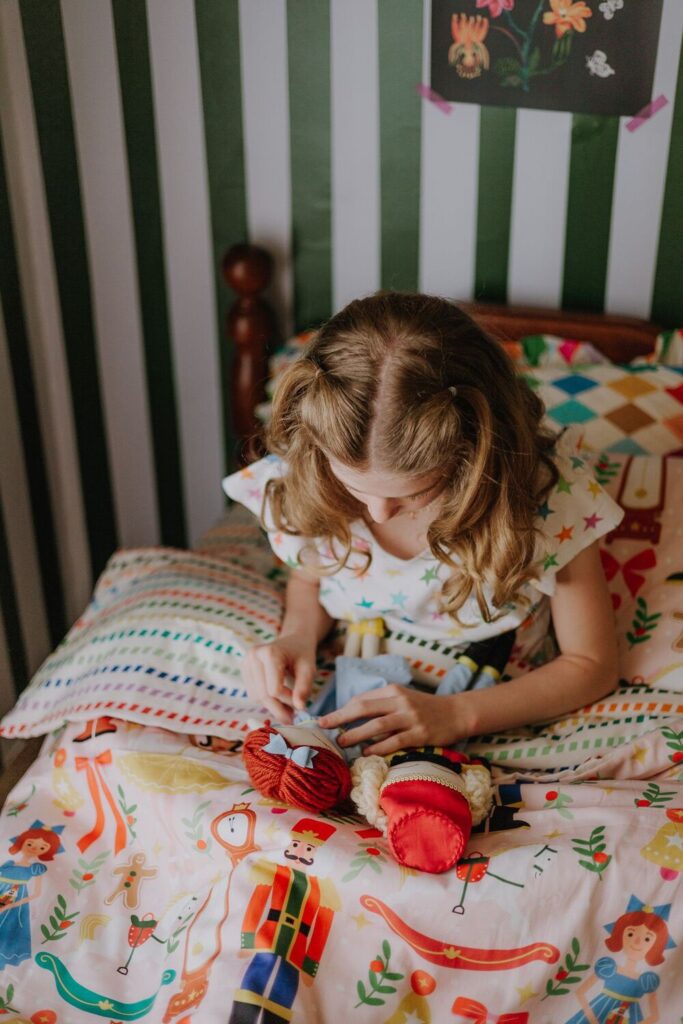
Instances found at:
x=132 y=875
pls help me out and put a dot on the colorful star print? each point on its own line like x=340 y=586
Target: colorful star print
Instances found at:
x=565 y=534
x=399 y=599
x=549 y=560
x=591 y=521
x=364 y=603
x=545 y=510
x=429 y=575
x=563 y=486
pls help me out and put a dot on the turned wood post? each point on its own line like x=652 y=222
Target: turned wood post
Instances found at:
x=251 y=325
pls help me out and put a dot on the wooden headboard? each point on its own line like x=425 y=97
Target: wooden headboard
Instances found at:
x=252 y=327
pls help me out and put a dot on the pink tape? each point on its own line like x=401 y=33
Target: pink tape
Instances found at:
x=433 y=97
x=646 y=113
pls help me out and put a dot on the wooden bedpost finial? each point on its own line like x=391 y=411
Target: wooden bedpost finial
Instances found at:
x=247 y=269
x=250 y=325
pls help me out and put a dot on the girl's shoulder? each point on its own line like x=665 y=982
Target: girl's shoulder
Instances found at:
x=247 y=485
x=575 y=514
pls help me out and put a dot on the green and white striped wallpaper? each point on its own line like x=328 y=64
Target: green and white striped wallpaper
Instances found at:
x=140 y=139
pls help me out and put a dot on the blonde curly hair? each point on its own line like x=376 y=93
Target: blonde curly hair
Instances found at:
x=371 y=390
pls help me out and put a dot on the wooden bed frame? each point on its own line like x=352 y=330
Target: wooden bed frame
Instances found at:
x=252 y=328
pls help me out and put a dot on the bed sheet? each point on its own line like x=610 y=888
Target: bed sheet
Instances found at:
x=173 y=892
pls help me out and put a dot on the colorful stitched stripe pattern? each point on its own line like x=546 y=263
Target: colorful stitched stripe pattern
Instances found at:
x=140 y=140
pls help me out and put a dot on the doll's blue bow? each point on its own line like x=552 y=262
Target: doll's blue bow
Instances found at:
x=303 y=756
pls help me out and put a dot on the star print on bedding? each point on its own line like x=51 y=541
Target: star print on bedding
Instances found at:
x=405 y=592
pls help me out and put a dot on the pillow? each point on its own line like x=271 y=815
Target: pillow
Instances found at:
x=669 y=348
x=634 y=409
x=550 y=350
x=161 y=641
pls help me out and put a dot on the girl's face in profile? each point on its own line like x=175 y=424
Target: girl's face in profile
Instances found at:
x=638 y=940
x=386 y=495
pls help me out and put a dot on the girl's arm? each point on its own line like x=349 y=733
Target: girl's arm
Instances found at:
x=292 y=655
x=585 y=670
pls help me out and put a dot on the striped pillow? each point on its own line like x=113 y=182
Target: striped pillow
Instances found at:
x=161 y=641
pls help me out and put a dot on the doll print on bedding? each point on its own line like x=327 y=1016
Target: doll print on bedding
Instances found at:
x=20 y=883
x=411 y=479
x=638 y=938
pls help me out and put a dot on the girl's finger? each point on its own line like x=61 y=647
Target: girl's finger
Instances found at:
x=281 y=712
x=375 y=729
x=357 y=707
x=303 y=681
x=273 y=663
x=399 y=741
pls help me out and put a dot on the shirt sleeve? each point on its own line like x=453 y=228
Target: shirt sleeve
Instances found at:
x=576 y=513
x=248 y=486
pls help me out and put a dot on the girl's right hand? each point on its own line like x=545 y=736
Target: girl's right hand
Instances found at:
x=267 y=666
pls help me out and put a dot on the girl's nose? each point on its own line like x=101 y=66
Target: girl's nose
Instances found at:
x=381 y=509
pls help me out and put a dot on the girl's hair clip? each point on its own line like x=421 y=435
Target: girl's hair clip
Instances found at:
x=453 y=390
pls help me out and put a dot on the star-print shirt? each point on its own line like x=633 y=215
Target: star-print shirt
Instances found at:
x=405 y=591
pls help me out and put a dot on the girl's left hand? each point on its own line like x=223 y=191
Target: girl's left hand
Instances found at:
x=399 y=717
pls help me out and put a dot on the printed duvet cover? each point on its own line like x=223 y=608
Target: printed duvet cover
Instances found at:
x=142 y=879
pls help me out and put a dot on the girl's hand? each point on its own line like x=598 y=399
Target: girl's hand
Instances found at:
x=398 y=718
x=266 y=666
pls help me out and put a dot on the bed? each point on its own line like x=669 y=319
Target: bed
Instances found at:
x=144 y=879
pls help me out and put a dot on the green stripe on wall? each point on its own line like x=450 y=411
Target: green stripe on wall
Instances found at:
x=220 y=66
x=667 y=299
x=497 y=128
x=46 y=57
x=589 y=211
x=132 y=45
x=27 y=410
x=400 y=122
x=10 y=615
x=308 y=52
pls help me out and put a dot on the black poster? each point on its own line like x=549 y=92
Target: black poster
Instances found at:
x=591 y=57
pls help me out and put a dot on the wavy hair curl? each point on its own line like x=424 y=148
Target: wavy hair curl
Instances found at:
x=371 y=390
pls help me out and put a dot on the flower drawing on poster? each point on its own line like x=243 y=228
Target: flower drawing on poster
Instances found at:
x=549 y=54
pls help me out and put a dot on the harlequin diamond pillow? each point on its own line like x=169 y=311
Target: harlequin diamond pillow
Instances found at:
x=634 y=410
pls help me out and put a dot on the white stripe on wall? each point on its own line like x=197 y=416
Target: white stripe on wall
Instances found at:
x=96 y=101
x=265 y=106
x=41 y=305
x=639 y=185
x=355 y=150
x=539 y=207
x=16 y=509
x=448 y=194
x=188 y=250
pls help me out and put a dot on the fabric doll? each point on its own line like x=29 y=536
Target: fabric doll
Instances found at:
x=425 y=799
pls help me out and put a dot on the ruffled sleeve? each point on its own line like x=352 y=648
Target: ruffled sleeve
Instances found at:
x=649 y=981
x=247 y=486
x=574 y=515
x=605 y=967
x=38 y=869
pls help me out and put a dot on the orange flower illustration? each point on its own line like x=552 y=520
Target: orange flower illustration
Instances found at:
x=567 y=16
x=468 y=55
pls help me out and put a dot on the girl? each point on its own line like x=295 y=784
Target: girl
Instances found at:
x=410 y=478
